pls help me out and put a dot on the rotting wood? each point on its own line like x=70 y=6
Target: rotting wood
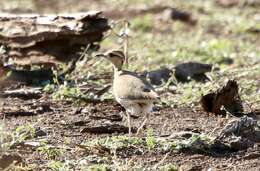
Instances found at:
x=34 y=39
x=227 y=97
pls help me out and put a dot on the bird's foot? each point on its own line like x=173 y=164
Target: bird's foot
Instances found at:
x=141 y=128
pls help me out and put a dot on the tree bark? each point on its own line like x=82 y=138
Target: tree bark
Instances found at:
x=47 y=39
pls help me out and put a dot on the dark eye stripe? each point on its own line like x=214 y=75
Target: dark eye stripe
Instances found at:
x=117 y=53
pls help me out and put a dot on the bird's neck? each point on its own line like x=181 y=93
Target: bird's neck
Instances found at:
x=117 y=71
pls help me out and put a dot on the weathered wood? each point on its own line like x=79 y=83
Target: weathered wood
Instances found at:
x=33 y=39
x=9 y=75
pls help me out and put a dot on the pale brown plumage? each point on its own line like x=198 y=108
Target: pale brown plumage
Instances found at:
x=128 y=85
x=133 y=92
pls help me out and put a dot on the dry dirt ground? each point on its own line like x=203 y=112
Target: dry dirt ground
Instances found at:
x=64 y=125
x=62 y=121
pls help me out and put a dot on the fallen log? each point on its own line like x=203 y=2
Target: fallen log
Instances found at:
x=46 y=39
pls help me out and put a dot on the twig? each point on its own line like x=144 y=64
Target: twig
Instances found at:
x=72 y=65
x=160 y=162
x=36 y=144
x=103 y=90
x=23 y=91
x=125 y=36
x=84 y=52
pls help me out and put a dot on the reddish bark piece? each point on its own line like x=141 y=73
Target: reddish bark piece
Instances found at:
x=227 y=96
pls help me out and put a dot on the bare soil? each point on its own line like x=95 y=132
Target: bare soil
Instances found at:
x=66 y=124
x=63 y=120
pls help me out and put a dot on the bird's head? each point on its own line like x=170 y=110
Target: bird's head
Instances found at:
x=116 y=57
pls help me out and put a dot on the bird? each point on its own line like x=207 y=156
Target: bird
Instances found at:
x=130 y=90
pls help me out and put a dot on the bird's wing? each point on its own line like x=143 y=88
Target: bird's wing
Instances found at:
x=148 y=92
x=132 y=87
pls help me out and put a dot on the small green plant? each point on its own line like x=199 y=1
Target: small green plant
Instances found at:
x=23 y=167
x=150 y=140
x=169 y=167
x=197 y=143
x=49 y=88
x=113 y=143
x=96 y=167
x=22 y=133
x=143 y=24
x=19 y=135
x=55 y=78
x=215 y=50
x=64 y=92
x=49 y=152
x=57 y=166
x=54 y=165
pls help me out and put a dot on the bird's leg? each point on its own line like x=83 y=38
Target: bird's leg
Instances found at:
x=124 y=118
x=142 y=125
x=129 y=124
